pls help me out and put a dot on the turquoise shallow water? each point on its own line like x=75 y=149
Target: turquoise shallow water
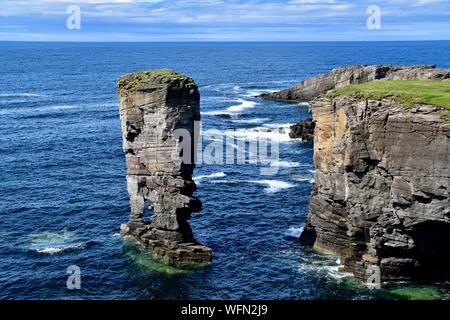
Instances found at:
x=62 y=183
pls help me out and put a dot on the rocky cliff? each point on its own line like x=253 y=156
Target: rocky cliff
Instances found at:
x=381 y=192
x=311 y=88
x=153 y=105
x=382 y=182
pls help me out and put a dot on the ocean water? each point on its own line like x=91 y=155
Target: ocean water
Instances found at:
x=62 y=179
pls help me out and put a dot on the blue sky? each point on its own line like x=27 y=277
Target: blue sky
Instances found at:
x=217 y=20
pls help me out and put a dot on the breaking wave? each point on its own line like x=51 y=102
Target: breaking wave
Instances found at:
x=210 y=176
x=274 y=186
x=55 y=242
x=278 y=134
x=294 y=232
x=244 y=104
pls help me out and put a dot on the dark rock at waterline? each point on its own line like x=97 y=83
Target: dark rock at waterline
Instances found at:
x=153 y=105
x=303 y=130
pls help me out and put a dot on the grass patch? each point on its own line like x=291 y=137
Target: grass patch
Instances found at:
x=148 y=79
x=409 y=93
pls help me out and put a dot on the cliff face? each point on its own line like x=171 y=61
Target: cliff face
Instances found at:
x=311 y=88
x=382 y=183
x=153 y=105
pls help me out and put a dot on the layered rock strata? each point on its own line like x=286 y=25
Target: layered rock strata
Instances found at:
x=381 y=192
x=153 y=106
x=381 y=195
x=311 y=88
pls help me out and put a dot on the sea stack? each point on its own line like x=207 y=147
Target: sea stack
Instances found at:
x=154 y=107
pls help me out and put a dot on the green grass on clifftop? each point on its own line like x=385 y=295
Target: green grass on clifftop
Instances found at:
x=144 y=79
x=406 y=92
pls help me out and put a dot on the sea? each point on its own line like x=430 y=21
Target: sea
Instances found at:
x=63 y=189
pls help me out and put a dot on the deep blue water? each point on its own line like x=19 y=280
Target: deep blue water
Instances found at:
x=62 y=179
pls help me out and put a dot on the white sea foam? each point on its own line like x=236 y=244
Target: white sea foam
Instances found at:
x=61 y=107
x=15 y=95
x=218 y=99
x=243 y=105
x=49 y=250
x=60 y=249
x=107 y=104
x=310 y=180
x=294 y=232
x=255 y=93
x=274 y=186
x=214 y=113
x=251 y=121
x=333 y=272
x=309 y=177
x=210 y=176
x=278 y=125
x=55 y=242
x=45 y=109
x=285 y=164
x=325 y=265
x=243 y=84
x=232 y=110
x=280 y=135
x=224 y=181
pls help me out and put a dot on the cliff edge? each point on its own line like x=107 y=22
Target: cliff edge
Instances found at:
x=309 y=89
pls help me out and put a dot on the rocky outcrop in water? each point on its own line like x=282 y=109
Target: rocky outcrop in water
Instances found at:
x=153 y=105
x=311 y=88
x=303 y=130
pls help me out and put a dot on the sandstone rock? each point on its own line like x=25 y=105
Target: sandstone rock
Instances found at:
x=381 y=192
x=153 y=105
x=381 y=196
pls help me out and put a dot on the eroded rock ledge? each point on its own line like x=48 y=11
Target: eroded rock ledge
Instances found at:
x=311 y=88
x=153 y=105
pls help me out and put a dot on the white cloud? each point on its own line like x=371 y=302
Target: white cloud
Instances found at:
x=227 y=19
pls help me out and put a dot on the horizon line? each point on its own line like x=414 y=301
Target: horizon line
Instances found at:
x=223 y=41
